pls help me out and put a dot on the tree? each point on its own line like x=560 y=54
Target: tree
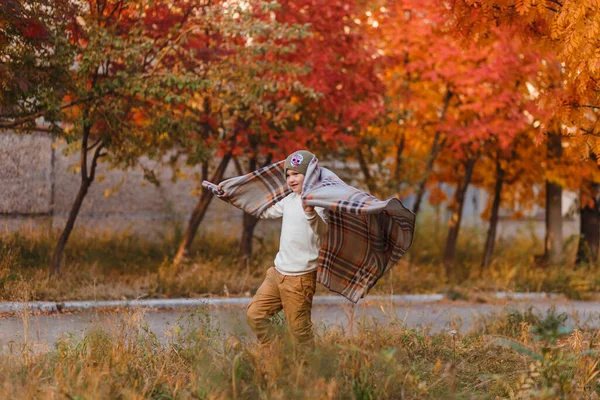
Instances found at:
x=418 y=67
x=461 y=102
x=589 y=211
x=342 y=71
x=320 y=108
x=128 y=86
x=35 y=57
x=567 y=29
x=150 y=76
x=117 y=77
x=247 y=102
x=517 y=65
x=498 y=114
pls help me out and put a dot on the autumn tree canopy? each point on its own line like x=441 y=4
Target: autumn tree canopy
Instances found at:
x=424 y=95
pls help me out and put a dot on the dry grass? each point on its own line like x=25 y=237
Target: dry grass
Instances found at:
x=511 y=355
x=109 y=265
x=513 y=267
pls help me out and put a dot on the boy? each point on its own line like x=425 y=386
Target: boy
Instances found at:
x=290 y=285
x=362 y=237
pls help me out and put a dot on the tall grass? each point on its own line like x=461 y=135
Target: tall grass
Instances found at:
x=510 y=355
x=513 y=268
x=115 y=265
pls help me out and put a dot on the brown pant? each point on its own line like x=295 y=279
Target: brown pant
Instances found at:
x=292 y=293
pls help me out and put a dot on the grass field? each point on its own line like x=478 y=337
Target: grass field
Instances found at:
x=509 y=355
x=110 y=265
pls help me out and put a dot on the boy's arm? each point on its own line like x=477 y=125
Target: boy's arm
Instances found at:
x=273 y=212
x=317 y=220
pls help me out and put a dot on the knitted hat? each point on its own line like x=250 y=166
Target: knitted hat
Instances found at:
x=298 y=161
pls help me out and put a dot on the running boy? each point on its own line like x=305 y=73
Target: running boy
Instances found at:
x=290 y=285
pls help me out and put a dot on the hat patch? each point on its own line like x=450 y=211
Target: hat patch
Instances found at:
x=296 y=160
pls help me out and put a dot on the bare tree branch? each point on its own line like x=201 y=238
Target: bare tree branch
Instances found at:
x=97 y=155
x=584 y=105
x=32 y=117
x=94 y=145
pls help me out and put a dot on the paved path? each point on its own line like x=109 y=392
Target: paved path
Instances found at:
x=42 y=331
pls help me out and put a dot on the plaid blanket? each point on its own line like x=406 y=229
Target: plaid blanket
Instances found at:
x=366 y=236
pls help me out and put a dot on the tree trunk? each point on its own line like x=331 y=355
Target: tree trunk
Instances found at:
x=435 y=150
x=364 y=167
x=589 y=227
x=52 y=177
x=399 y=151
x=459 y=200
x=198 y=214
x=249 y=222
x=490 y=240
x=553 y=243
x=248 y=225
x=62 y=241
x=86 y=180
x=205 y=132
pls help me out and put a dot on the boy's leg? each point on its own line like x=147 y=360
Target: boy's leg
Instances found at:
x=265 y=303
x=297 y=294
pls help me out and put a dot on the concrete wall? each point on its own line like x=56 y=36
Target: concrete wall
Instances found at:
x=26 y=177
x=37 y=188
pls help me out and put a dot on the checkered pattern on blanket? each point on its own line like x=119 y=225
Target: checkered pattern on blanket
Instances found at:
x=366 y=236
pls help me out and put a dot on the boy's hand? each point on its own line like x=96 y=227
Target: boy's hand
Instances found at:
x=308 y=209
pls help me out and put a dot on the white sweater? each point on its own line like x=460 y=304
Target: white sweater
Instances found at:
x=301 y=235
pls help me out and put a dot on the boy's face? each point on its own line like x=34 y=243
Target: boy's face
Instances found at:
x=295 y=181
